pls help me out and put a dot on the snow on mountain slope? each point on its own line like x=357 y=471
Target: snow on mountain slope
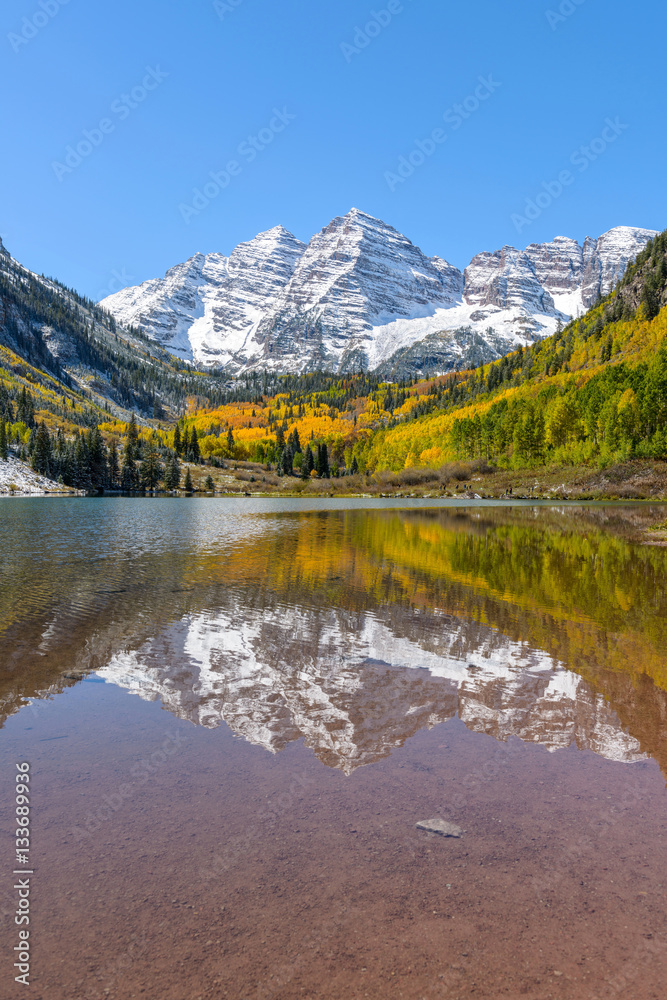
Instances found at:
x=362 y=294
x=166 y=307
x=186 y=310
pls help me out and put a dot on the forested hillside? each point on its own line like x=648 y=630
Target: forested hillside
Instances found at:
x=56 y=343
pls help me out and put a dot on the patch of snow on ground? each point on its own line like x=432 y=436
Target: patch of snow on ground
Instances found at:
x=25 y=481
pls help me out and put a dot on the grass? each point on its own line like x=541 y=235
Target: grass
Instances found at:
x=632 y=480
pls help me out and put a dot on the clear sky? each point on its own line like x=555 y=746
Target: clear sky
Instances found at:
x=313 y=117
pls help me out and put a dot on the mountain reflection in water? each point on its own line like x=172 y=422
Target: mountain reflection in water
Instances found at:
x=350 y=687
x=350 y=628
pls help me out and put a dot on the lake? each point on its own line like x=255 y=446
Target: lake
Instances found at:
x=236 y=712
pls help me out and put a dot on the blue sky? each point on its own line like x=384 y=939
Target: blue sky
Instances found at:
x=313 y=116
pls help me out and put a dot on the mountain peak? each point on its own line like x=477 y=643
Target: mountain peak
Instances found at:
x=356 y=217
x=278 y=232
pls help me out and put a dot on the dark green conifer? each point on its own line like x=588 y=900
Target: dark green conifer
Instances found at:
x=133 y=434
x=172 y=473
x=114 y=465
x=195 y=455
x=41 y=453
x=82 y=479
x=97 y=457
x=129 y=479
x=25 y=410
x=308 y=463
x=151 y=469
x=322 y=465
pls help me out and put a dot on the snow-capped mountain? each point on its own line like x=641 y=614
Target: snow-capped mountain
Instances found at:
x=206 y=308
x=356 y=687
x=361 y=293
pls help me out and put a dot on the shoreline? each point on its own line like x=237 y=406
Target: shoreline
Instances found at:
x=634 y=481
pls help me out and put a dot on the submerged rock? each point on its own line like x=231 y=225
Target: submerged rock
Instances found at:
x=440 y=826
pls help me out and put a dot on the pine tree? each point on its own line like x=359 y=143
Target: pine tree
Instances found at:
x=354 y=468
x=4 y=449
x=172 y=473
x=195 y=455
x=133 y=434
x=114 y=465
x=308 y=463
x=82 y=479
x=6 y=409
x=230 y=443
x=151 y=468
x=62 y=460
x=209 y=484
x=651 y=298
x=177 y=439
x=41 y=455
x=294 y=442
x=188 y=482
x=97 y=457
x=129 y=479
x=322 y=464
x=25 y=410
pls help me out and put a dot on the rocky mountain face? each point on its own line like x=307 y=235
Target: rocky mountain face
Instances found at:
x=361 y=294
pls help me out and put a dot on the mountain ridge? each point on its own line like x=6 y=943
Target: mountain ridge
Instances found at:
x=362 y=295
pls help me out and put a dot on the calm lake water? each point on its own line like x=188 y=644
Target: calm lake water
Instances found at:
x=236 y=712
